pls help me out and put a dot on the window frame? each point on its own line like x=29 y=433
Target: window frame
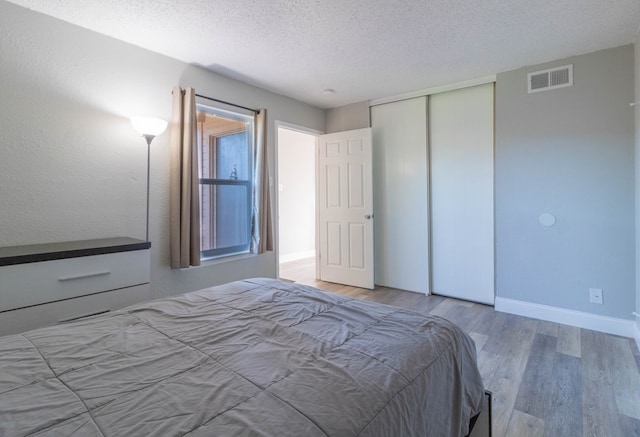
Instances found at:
x=249 y=183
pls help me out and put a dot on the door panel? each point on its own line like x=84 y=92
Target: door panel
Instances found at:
x=401 y=194
x=346 y=208
x=356 y=246
x=334 y=244
x=332 y=186
x=356 y=185
x=461 y=127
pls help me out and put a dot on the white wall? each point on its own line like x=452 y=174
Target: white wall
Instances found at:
x=72 y=167
x=296 y=195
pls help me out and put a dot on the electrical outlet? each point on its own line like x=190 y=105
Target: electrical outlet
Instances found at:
x=595 y=295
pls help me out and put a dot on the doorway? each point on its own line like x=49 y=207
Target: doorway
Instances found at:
x=296 y=200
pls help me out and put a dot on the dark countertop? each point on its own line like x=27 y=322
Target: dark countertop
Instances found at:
x=69 y=249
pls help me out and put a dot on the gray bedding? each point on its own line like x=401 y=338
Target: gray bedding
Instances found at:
x=249 y=358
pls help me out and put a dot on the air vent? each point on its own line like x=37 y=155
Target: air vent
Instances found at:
x=553 y=78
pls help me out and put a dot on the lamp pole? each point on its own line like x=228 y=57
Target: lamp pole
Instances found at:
x=149 y=128
x=148 y=138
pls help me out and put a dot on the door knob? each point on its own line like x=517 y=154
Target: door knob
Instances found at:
x=368 y=216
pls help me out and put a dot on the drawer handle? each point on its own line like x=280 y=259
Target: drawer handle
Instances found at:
x=86 y=275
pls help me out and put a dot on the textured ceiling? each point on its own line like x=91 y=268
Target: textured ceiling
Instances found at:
x=362 y=49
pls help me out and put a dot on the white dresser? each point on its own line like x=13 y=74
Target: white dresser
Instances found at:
x=50 y=283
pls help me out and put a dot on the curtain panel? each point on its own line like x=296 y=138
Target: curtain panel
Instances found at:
x=184 y=202
x=262 y=225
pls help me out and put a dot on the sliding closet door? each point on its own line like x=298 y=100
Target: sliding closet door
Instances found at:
x=400 y=187
x=462 y=228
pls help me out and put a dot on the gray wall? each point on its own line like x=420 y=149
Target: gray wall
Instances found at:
x=71 y=165
x=568 y=152
x=349 y=117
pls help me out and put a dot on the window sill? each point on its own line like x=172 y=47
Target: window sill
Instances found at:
x=206 y=262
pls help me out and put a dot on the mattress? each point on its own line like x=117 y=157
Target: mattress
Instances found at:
x=257 y=357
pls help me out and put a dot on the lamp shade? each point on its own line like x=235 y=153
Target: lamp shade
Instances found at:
x=148 y=125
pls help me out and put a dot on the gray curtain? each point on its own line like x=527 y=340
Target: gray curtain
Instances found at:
x=262 y=226
x=184 y=202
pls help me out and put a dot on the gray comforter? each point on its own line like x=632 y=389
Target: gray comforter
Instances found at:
x=250 y=358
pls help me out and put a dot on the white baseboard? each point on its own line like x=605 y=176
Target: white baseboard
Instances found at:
x=296 y=256
x=595 y=322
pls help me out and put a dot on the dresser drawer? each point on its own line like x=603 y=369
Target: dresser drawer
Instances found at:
x=24 y=285
x=25 y=319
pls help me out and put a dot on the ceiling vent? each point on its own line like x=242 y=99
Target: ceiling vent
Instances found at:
x=553 y=78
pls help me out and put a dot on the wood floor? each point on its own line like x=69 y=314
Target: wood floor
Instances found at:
x=547 y=379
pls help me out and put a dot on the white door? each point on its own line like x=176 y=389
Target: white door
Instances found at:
x=461 y=146
x=345 y=208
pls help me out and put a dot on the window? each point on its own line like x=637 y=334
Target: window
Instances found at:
x=225 y=154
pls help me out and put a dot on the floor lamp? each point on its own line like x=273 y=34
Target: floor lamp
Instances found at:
x=149 y=128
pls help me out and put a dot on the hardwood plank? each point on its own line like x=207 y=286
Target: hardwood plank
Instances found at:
x=383 y=295
x=456 y=301
x=564 y=413
x=478 y=339
x=484 y=312
x=569 y=341
x=516 y=335
x=551 y=388
x=492 y=323
x=599 y=414
x=532 y=397
x=444 y=307
x=463 y=316
x=488 y=319
x=596 y=357
x=487 y=364
x=625 y=377
x=505 y=391
x=507 y=377
x=416 y=301
x=634 y=346
x=628 y=426
x=523 y=424
x=548 y=328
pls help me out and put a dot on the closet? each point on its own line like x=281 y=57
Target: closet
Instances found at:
x=433 y=193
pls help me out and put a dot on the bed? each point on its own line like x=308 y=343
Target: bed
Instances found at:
x=257 y=357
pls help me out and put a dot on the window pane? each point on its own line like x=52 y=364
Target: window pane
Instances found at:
x=231 y=157
x=225 y=217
